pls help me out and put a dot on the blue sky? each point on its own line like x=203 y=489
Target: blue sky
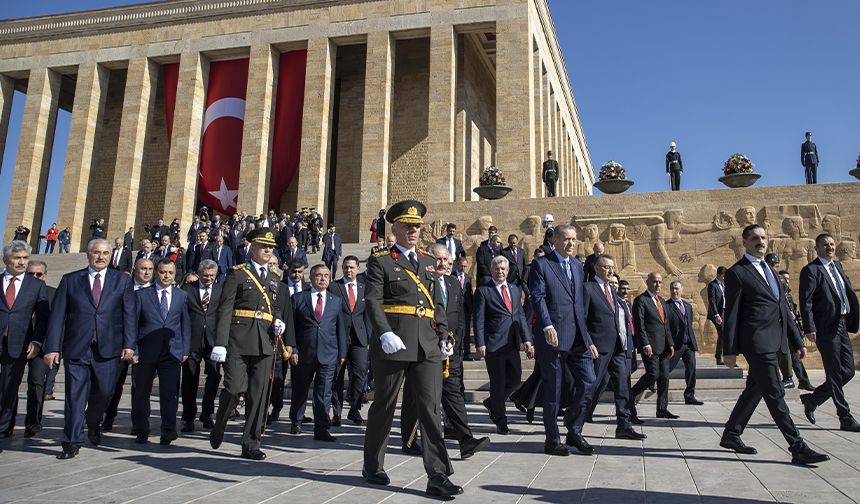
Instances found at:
x=715 y=77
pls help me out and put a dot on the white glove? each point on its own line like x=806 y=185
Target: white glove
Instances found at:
x=391 y=343
x=219 y=354
x=280 y=327
x=447 y=350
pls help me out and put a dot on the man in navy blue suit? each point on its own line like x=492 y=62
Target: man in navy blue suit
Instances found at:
x=555 y=284
x=161 y=338
x=321 y=346
x=90 y=324
x=196 y=252
x=500 y=329
x=23 y=320
x=293 y=253
x=453 y=244
x=331 y=248
x=223 y=256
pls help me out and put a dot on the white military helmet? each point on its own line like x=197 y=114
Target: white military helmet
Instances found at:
x=548 y=218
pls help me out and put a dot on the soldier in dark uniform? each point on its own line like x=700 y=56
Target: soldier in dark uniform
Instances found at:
x=674 y=167
x=549 y=174
x=809 y=159
x=254 y=320
x=407 y=340
x=315 y=225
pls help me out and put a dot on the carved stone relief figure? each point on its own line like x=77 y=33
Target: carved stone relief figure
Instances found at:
x=586 y=239
x=622 y=249
x=795 y=250
x=532 y=235
x=832 y=224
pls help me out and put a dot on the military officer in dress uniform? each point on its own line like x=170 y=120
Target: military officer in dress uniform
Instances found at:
x=549 y=174
x=408 y=339
x=254 y=321
x=674 y=167
x=809 y=159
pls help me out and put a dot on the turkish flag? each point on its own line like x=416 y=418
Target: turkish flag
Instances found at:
x=287 y=136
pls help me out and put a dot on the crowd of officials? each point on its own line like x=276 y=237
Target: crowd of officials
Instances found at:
x=237 y=311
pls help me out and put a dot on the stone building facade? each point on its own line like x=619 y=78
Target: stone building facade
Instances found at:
x=402 y=98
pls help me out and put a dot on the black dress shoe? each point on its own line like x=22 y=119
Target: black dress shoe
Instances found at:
x=666 y=414
x=141 y=438
x=355 y=417
x=486 y=403
x=95 y=436
x=187 y=426
x=413 y=449
x=846 y=424
x=215 y=439
x=67 y=453
x=579 y=442
x=449 y=434
x=307 y=419
x=629 y=434
x=788 y=384
x=720 y=362
x=441 y=486
x=107 y=425
x=502 y=428
x=471 y=446
x=32 y=430
x=808 y=407
x=271 y=419
x=556 y=449
x=635 y=420
x=133 y=431
x=693 y=401
x=377 y=478
x=805 y=386
x=737 y=445
x=468 y=357
x=323 y=435
x=207 y=422
x=295 y=428
x=806 y=456
x=530 y=415
x=253 y=454
x=335 y=421
x=168 y=437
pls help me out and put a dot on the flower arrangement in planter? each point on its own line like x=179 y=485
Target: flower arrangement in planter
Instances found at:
x=491 y=184
x=738 y=171
x=856 y=171
x=612 y=179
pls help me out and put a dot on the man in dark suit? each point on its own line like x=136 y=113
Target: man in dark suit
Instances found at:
x=716 y=308
x=223 y=257
x=588 y=267
x=24 y=316
x=681 y=328
x=201 y=249
x=285 y=232
x=161 y=341
x=320 y=348
x=40 y=378
x=654 y=341
x=203 y=298
x=294 y=280
x=465 y=281
x=803 y=382
x=608 y=323
x=758 y=325
x=302 y=236
x=809 y=159
x=516 y=261
x=501 y=329
x=128 y=239
x=243 y=251
x=556 y=293
x=331 y=248
x=294 y=253
x=120 y=257
x=146 y=252
x=452 y=244
x=407 y=340
x=90 y=324
x=484 y=257
x=351 y=293
x=830 y=311
x=159 y=230
x=196 y=227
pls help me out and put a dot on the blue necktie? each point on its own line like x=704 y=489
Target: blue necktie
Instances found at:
x=164 y=306
x=566 y=265
x=771 y=281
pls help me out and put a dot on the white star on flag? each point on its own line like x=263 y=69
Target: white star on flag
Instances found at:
x=225 y=196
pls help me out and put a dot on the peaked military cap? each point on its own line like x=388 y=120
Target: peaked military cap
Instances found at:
x=263 y=236
x=408 y=211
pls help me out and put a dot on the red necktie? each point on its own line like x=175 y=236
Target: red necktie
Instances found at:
x=660 y=309
x=462 y=281
x=319 y=307
x=507 y=298
x=10 y=292
x=97 y=289
x=609 y=296
x=351 y=297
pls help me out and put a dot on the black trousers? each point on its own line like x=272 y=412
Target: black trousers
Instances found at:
x=113 y=405
x=191 y=383
x=246 y=373
x=718 y=353
x=505 y=370
x=615 y=368
x=675 y=180
x=838 y=360
x=453 y=404
x=167 y=368
x=321 y=376
x=279 y=379
x=90 y=381
x=550 y=187
x=356 y=364
x=11 y=375
x=424 y=379
x=763 y=383
x=811 y=172
x=656 y=371
x=789 y=365
x=688 y=355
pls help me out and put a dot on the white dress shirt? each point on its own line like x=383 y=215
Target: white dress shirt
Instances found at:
x=316 y=299
x=837 y=282
x=7 y=277
x=92 y=276
x=159 y=289
x=201 y=289
x=756 y=262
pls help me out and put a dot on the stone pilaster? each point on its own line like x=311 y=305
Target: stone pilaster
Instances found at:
x=315 y=161
x=137 y=109
x=7 y=91
x=514 y=114
x=540 y=152
x=255 y=167
x=443 y=87
x=30 y=178
x=180 y=197
x=376 y=135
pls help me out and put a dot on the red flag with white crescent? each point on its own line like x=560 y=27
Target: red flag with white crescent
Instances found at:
x=287 y=136
x=221 y=147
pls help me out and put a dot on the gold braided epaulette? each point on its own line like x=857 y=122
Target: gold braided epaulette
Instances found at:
x=382 y=253
x=238 y=266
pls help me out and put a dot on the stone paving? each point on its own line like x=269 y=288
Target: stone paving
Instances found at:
x=680 y=462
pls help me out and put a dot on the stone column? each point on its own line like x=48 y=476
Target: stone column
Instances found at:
x=7 y=91
x=90 y=93
x=514 y=110
x=376 y=134
x=540 y=152
x=440 y=131
x=255 y=167
x=30 y=179
x=315 y=161
x=180 y=197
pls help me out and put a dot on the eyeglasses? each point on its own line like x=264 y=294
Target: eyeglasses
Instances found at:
x=37 y=274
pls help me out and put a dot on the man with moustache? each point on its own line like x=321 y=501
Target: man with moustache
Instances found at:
x=654 y=341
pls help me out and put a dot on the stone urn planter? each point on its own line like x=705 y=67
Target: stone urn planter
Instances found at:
x=613 y=186
x=855 y=172
x=740 y=179
x=492 y=192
